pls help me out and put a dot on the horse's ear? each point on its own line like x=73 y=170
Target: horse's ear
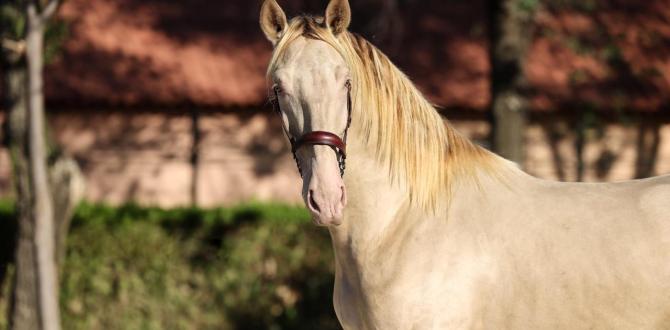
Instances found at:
x=273 y=20
x=338 y=16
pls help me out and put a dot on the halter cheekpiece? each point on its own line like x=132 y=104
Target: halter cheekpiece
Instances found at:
x=339 y=145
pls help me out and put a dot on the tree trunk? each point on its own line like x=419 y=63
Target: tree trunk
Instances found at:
x=509 y=32
x=24 y=314
x=648 y=142
x=195 y=155
x=43 y=227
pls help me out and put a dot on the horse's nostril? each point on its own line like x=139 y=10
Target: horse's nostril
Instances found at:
x=312 y=202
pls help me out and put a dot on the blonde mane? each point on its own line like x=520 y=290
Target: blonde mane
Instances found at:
x=410 y=138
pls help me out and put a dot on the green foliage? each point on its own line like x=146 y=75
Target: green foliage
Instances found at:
x=7 y=236
x=579 y=46
x=578 y=77
x=528 y=6
x=7 y=233
x=253 y=266
x=611 y=53
x=13 y=26
x=12 y=20
x=55 y=36
x=7 y=208
x=189 y=216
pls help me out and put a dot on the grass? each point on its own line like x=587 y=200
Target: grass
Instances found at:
x=253 y=266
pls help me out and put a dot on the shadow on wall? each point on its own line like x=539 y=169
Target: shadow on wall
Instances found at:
x=156 y=157
x=599 y=150
x=268 y=148
x=148 y=157
x=599 y=63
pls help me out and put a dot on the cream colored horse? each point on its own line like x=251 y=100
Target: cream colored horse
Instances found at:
x=441 y=234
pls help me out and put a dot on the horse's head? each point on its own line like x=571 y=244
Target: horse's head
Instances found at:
x=311 y=83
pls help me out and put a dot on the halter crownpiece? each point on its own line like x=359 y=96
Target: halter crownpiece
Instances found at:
x=339 y=145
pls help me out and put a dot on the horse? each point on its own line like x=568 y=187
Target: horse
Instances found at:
x=431 y=231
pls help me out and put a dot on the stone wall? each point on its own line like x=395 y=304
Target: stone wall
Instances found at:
x=612 y=152
x=147 y=157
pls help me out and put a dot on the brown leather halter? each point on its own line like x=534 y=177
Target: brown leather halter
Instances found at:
x=339 y=145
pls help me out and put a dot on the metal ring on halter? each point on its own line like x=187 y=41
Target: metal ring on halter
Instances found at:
x=320 y=137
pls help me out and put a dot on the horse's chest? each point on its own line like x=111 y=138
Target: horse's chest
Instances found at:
x=412 y=298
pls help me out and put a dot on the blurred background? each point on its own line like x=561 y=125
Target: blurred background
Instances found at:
x=191 y=216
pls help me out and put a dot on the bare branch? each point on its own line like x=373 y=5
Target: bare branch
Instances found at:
x=18 y=47
x=50 y=9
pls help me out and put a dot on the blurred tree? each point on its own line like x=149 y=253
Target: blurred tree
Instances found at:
x=14 y=93
x=44 y=228
x=41 y=226
x=385 y=25
x=510 y=32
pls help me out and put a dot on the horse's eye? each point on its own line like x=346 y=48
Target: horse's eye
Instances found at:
x=347 y=84
x=277 y=89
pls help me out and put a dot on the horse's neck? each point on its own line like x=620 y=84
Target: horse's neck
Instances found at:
x=376 y=208
x=379 y=214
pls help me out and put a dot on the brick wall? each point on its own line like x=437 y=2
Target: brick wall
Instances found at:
x=147 y=157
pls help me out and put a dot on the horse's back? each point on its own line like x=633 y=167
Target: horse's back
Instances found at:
x=595 y=255
x=654 y=198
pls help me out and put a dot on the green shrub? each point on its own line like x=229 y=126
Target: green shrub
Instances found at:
x=254 y=266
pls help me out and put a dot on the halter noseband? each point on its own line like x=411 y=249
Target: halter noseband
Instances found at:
x=339 y=145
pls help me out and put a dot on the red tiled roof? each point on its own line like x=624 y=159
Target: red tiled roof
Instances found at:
x=212 y=53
